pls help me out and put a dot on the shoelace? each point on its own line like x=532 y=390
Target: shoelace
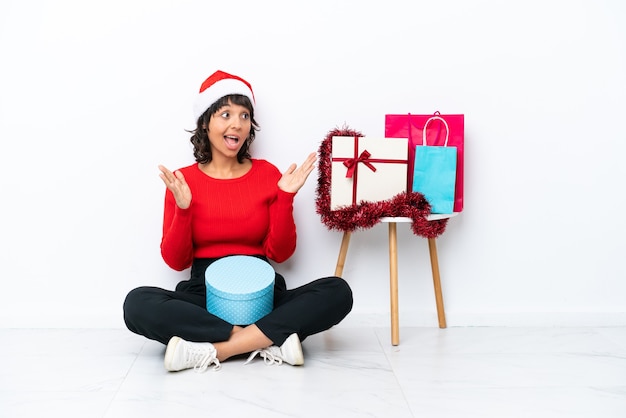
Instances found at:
x=205 y=361
x=201 y=358
x=269 y=357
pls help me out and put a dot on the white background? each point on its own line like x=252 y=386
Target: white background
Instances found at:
x=95 y=94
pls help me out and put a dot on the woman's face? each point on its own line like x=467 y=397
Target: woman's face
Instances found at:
x=228 y=128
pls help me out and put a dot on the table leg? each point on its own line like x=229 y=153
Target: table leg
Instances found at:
x=393 y=283
x=343 y=251
x=434 y=264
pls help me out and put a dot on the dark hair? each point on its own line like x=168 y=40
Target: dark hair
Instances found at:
x=200 y=138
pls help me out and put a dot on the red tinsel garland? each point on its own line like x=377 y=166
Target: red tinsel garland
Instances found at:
x=367 y=214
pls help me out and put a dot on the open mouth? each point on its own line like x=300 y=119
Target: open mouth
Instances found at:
x=232 y=142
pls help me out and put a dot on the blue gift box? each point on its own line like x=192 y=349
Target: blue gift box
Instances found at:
x=240 y=289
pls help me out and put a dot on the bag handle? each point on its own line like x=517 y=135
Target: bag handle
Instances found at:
x=445 y=144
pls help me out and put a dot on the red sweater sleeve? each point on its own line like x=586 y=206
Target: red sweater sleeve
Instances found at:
x=281 y=239
x=249 y=215
x=177 y=242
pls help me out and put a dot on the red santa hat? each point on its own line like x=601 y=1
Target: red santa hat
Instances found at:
x=218 y=85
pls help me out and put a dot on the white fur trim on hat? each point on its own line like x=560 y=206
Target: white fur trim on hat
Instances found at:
x=218 y=85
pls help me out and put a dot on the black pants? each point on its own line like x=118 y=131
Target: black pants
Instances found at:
x=160 y=314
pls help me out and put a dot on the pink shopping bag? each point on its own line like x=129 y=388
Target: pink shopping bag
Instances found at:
x=411 y=126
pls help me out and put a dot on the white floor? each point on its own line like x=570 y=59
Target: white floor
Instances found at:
x=348 y=372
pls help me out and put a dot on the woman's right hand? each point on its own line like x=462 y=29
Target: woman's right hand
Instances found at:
x=175 y=183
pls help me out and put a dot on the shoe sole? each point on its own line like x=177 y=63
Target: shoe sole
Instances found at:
x=296 y=353
x=169 y=353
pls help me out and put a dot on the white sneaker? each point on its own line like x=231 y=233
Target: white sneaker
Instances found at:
x=181 y=355
x=290 y=352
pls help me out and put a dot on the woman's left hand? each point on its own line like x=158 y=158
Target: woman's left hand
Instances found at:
x=293 y=179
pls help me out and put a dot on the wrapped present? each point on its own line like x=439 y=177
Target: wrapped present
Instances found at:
x=367 y=169
x=240 y=289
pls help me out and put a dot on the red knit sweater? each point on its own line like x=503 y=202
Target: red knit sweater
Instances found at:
x=248 y=215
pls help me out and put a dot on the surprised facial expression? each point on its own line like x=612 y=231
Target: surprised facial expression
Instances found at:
x=228 y=128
